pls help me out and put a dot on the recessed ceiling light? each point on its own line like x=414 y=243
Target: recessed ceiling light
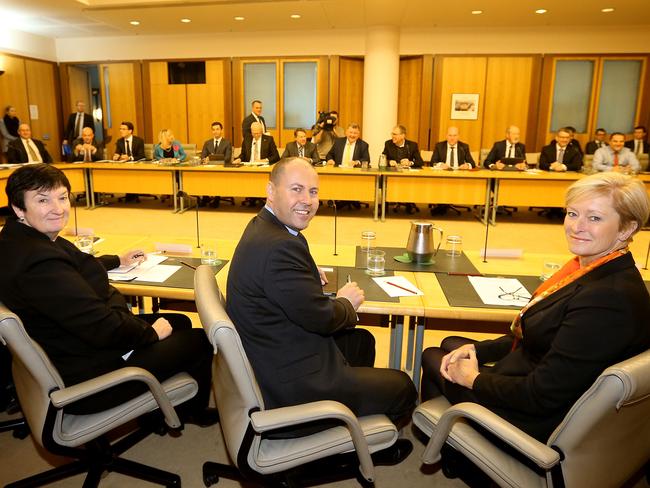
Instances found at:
x=477 y=12
x=540 y=11
x=186 y=21
x=239 y=17
x=295 y=16
x=607 y=10
x=134 y=22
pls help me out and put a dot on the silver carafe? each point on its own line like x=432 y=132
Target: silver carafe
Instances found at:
x=421 y=245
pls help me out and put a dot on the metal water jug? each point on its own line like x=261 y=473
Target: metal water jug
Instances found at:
x=421 y=244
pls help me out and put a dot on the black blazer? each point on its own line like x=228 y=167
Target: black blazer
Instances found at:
x=462 y=153
x=16 y=152
x=498 y=152
x=224 y=147
x=69 y=128
x=247 y=122
x=66 y=303
x=276 y=301
x=267 y=149
x=311 y=151
x=568 y=340
x=410 y=151
x=137 y=148
x=592 y=147
x=572 y=157
x=361 y=151
x=99 y=154
x=630 y=146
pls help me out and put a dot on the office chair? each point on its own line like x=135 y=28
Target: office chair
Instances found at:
x=44 y=396
x=601 y=442
x=245 y=421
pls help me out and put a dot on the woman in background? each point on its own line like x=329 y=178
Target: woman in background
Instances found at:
x=168 y=147
x=8 y=128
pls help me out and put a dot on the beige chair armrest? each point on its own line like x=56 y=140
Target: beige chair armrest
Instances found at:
x=71 y=394
x=266 y=420
x=541 y=454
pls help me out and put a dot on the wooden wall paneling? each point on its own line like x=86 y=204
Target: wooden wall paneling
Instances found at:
x=333 y=91
x=323 y=86
x=425 y=110
x=507 y=97
x=462 y=74
x=350 y=91
x=409 y=100
x=644 y=110
x=534 y=105
x=147 y=130
x=227 y=100
x=123 y=95
x=79 y=88
x=205 y=103
x=436 y=96
x=139 y=99
x=238 y=113
x=13 y=87
x=168 y=103
x=640 y=118
x=42 y=92
x=545 y=100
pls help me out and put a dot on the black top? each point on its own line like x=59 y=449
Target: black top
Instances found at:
x=12 y=124
x=168 y=153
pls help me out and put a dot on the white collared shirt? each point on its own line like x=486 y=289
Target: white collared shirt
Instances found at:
x=256 y=149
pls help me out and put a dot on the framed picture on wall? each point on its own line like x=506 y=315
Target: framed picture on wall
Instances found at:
x=464 y=106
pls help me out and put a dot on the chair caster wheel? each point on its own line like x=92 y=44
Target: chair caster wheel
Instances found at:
x=210 y=479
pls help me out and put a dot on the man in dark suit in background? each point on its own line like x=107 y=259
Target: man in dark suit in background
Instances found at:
x=639 y=144
x=128 y=147
x=349 y=151
x=217 y=145
x=599 y=141
x=86 y=148
x=258 y=147
x=254 y=116
x=301 y=148
x=401 y=152
x=76 y=122
x=560 y=156
x=27 y=150
x=452 y=153
x=302 y=344
x=510 y=147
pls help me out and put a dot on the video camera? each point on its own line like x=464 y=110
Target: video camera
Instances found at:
x=328 y=119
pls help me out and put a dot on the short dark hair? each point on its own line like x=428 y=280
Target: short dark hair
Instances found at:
x=129 y=125
x=256 y=101
x=33 y=177
x=298 y=129
x=571 y=129
x=616 y=134
x=600 y=129
x=642 y=127
x=217 y=123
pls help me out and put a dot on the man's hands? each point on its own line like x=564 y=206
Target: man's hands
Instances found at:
x=163 y=328
x=353 y=293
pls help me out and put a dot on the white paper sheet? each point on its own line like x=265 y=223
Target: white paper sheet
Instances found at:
x=500 y=291
x=397 y=286
x=149 y=270
x=152 y=260
x=157 y=274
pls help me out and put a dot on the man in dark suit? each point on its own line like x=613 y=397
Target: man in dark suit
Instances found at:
x=510 y=147
x=560 y=156
x=639 y=144
x=128 y=147
x=295 y=336
x=598 y=142
x=258 y=147
x=301 y=147
x=401 y=152
x=76 y=122
x=452 y=153
x=86 y=148
x=217 y=144
x=349 y=151
x=254 y=116
x=27 y=150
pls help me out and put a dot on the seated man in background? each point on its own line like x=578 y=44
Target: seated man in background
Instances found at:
x=639 y=143
x=401 y=152
x=217 y=145
x=452 y=153
x=25 y=149
x=302 y=345
x=560 y=156
x=301 y=148
x=510 y=147
x=599 y=141
x=258 y=147
x=128 y=147
x=86 y=148
x=349 y=151
x=616 y=157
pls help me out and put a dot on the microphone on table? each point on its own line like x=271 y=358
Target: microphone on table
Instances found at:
x=332 y=204
x=182 y=194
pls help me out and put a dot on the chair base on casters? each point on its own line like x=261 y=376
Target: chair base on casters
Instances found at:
x=19 y=427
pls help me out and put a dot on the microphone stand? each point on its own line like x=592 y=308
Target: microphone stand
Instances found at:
x=182 y=194
x=487 y=229
x=647 y=254
x=76 y=229
x=332 y=203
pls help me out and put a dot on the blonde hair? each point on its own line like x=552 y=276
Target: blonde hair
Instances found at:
x=163 y=133
x=629 y=197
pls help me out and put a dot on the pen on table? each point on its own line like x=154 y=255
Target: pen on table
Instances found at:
x=402 y=288
x=349 y=280
x=187 y=264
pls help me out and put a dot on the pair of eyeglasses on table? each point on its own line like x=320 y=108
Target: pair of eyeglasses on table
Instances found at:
x=514 y=296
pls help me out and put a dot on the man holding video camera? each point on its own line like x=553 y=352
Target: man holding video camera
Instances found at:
x=325 y=131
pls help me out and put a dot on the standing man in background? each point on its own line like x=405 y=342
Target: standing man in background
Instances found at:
x=76 y=122
x=254 y=116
